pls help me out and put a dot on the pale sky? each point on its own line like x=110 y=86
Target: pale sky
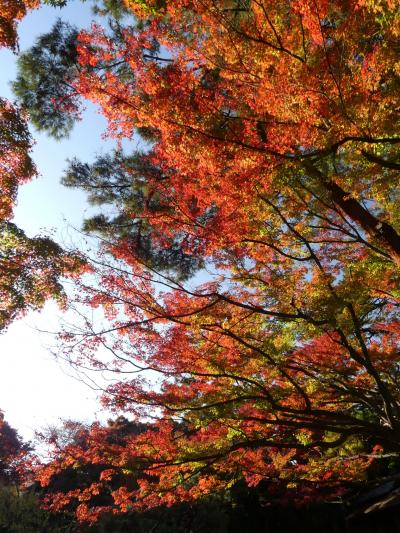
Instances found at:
x=34 y=390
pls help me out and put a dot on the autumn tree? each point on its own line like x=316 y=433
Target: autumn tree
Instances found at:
x=19 y=506
x=272 y=155
x=67 y=484
x=12 y=11
x=310 y=125
x=239 y=509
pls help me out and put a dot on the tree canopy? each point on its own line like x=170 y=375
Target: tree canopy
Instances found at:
x=271 y=161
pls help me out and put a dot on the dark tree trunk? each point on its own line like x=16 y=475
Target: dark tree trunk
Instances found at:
x=382 y=232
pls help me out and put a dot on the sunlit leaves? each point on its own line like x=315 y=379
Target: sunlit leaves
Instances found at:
x=11 y=11
x=272 y=159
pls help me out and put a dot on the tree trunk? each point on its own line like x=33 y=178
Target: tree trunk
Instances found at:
x=382 y=232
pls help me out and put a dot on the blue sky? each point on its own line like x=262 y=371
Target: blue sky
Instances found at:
x=34 y=389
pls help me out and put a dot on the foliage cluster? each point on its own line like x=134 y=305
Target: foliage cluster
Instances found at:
x=250 y=262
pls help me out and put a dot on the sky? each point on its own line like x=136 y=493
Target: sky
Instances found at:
x=35 y=390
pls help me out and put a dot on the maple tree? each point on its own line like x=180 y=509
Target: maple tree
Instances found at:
x=272 y=155
x=19 y=506
x=285 y=123
x=12 y=11
x=240 y=509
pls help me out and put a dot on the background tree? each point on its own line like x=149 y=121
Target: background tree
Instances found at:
x=121 y=186
x=12 y=450
x=30 y=268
